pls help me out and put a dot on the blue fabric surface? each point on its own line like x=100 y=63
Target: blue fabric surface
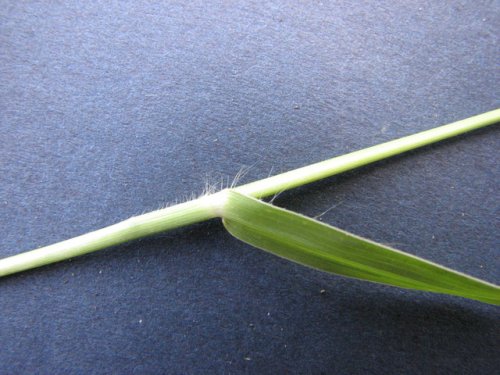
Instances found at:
x=111 y=109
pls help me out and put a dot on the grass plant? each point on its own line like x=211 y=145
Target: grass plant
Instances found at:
x=291 y=235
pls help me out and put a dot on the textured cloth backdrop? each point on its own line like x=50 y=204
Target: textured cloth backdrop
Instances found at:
x=111 y=109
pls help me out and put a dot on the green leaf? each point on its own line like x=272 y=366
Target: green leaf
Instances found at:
x=321 y=246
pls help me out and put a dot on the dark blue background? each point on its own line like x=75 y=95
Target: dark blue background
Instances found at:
x=112 y=109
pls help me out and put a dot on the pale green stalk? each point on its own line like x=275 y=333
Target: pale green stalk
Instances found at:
x=136 y=227
x=211 y=206
x=339 y=164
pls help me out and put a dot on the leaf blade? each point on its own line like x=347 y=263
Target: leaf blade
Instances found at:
x=321 y=246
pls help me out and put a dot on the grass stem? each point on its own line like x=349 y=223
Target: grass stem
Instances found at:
x=314 y=172
x=209 y=206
